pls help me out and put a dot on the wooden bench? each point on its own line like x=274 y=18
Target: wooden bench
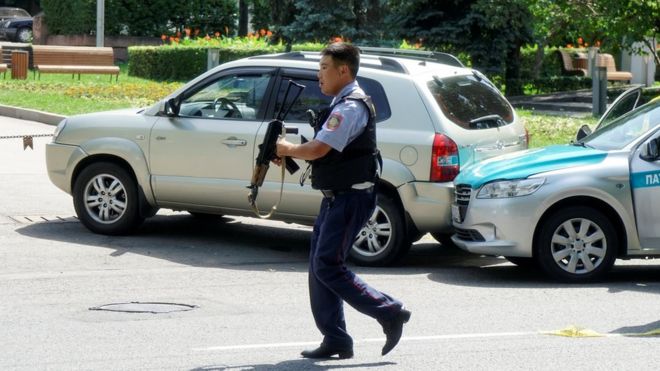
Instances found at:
x=567 y=67
x=3 y=67
x=607 y=60
x=73 y=60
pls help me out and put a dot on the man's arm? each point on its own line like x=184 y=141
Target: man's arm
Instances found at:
x=307 y=151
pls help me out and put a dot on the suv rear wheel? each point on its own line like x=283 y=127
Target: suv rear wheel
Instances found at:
x=383 y=239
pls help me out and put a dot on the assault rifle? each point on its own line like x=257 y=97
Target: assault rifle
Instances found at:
x=267 y=150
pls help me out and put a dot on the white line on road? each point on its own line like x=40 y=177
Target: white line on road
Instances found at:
x=373 y=340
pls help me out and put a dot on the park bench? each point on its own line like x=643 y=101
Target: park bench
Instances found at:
x=567 y=66
x=3 y=66
x=73 y=60
x=607 y=60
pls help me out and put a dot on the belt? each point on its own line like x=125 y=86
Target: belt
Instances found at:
x=332 y=193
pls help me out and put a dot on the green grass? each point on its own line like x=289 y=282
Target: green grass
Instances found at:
x=546 y=129
x=59 y=93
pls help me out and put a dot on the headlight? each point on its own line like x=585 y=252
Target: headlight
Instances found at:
x=58 y=130
x=510 y=188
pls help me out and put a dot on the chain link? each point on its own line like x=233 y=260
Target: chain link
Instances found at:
x=23 y=136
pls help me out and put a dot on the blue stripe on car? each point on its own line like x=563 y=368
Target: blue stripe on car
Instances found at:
x=645 y=179
x=519 y=165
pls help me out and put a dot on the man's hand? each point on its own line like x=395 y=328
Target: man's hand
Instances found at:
x=306 y=151
x=284 y=147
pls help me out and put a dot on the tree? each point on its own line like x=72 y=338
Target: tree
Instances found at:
x=490 y=31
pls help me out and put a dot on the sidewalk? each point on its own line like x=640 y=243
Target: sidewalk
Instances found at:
x=571 y=103
x=31 y=115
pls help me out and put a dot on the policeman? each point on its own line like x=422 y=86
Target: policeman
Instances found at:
x=345 y=169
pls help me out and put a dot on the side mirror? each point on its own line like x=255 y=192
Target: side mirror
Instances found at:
x=650 y=151
x=172 y=107
x=583 y=131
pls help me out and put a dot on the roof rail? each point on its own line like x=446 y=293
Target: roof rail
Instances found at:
x=444 y=58
x=386 y=64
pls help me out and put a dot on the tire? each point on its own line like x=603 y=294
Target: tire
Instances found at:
x=576 y=244
x=24 y=35
x=382 y=241
x=444 y=239
x=106 y=199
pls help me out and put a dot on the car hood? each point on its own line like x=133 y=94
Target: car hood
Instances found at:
x=126 y=123
x=520 y=165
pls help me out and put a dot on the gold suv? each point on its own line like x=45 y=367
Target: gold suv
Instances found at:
x=434 y=116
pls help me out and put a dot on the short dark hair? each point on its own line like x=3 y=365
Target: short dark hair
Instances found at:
x=343 y=53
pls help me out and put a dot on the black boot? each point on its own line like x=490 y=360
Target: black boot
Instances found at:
x=325 y=351
x=393 y=330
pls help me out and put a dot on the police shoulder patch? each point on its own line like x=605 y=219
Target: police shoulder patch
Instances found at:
x=334 y=121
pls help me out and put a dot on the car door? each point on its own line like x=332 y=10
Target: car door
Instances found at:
x=624 y=103
x=204 y=154
x=645 y=180
x=296 y=199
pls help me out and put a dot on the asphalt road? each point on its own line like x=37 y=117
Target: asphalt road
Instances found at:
x=247 y=282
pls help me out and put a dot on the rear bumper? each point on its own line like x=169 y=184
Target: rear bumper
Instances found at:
x=428 y=205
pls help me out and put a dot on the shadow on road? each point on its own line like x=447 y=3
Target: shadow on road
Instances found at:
x=240 y=243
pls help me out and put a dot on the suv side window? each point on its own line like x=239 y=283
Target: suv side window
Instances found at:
x=312 y=98
x=470 y=103
x=234 y=96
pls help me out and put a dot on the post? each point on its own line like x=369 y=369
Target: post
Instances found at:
x=212 y=58
x=598 y=85
x=100 y=22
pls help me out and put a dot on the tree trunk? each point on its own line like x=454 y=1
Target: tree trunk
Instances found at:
x=512 y=73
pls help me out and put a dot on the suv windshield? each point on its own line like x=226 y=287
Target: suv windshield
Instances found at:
x=12 y=12
x=625 y=129
x=471 y=102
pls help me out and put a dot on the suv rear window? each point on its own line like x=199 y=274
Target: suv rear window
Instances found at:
x=471 y=102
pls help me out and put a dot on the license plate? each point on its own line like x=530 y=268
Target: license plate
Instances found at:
x=455 y=214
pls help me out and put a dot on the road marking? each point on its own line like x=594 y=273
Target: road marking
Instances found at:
x=31 y=219
x=570 y=331
x=371 y=340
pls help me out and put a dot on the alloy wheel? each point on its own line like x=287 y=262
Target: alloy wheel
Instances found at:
x=105 y=198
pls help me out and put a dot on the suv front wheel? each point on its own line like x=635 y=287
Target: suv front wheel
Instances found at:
x=106 y=199
x=383 y=239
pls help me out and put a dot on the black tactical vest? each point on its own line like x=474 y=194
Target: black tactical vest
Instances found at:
x=357 y=162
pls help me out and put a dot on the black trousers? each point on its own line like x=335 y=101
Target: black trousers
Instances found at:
x=330 y=281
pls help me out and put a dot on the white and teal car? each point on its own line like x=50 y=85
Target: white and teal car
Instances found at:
x=573 y=209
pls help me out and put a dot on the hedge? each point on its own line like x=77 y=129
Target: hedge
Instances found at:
x=180 y=63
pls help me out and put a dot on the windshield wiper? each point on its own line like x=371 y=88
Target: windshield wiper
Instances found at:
x=486 y=122
x=581 y=144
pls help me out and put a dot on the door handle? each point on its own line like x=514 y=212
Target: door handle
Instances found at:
x=234 y=142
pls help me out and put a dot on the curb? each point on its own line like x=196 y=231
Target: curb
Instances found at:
x=30 y=114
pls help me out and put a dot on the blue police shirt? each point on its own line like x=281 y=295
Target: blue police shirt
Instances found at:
x=346 y=121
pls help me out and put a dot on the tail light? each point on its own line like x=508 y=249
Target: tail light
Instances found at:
x=444 y=159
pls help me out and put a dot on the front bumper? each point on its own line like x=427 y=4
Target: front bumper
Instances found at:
x=502 y=227
x=60 y=162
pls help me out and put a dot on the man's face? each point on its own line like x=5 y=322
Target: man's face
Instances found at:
x=332 y=77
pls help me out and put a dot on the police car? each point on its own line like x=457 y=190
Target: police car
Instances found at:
x=572 y=209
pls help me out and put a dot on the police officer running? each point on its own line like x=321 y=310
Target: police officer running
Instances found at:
x=345 y=169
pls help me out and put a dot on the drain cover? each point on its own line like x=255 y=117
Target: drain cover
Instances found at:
x=145 y=307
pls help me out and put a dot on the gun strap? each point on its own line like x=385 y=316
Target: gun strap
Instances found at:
x=255 y=207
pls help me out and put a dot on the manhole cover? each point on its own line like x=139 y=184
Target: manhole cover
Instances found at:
x=145 y=307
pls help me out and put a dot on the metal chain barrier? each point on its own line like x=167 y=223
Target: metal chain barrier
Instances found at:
x=27 y=139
